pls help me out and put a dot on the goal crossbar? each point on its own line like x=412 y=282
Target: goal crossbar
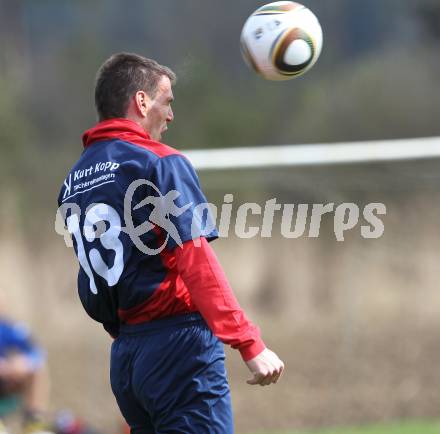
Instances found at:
x=319 y=154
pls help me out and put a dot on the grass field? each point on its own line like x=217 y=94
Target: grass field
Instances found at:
x=403 y=428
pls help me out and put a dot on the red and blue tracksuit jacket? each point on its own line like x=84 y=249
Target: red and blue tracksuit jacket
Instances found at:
x=119 y=283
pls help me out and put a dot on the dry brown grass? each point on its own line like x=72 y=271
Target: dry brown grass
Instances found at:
x=357 y=324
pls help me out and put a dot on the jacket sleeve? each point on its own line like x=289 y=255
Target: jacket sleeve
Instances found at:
x=210 y=291
x=188 y=214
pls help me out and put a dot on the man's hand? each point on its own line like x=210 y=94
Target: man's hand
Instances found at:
x=266 y=367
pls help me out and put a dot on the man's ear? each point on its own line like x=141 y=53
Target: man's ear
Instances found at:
x=142 y=103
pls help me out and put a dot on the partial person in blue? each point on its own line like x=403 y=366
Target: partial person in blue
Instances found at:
x=23 y=377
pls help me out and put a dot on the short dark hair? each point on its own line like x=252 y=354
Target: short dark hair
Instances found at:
x=120 y=77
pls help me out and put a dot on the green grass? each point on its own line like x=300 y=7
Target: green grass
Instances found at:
x=402 y=428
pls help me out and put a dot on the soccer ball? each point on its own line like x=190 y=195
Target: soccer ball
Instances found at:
x=281 y=40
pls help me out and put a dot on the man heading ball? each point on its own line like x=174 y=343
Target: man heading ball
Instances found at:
x=169 y=305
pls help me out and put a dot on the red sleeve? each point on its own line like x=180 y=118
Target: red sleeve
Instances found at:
x=210 y=291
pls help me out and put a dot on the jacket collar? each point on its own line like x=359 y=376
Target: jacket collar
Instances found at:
x=117 y=128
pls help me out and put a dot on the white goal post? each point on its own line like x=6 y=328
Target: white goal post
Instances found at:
x=319 y=154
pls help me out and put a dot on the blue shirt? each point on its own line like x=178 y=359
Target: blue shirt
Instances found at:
x=16 y=339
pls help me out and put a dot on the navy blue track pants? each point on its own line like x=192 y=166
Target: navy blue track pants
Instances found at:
x=169 y=377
